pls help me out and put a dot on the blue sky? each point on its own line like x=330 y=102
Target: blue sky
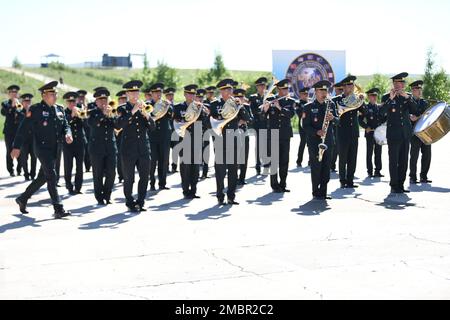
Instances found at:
x=378 y=36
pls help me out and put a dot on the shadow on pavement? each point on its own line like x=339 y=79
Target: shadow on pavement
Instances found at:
x=111 y=222
x=312 y=208
x=175 y=205
x=397 y=202
x=24 y=221
x=267 y=199
x=215 y=213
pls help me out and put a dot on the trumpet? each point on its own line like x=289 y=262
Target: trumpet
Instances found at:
x=19 y=106
x=145 y=108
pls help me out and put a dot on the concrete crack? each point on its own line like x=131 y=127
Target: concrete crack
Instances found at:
x=428 y=240
x=242 y=269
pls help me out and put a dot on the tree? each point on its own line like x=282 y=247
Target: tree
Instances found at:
x=16 y=63
x=436 y=83
x=215 y=74
x=165 y=74
x=146 y=73
x=381 y=82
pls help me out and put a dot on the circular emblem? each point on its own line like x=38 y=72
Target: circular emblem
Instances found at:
x=308 y=69
x=45 y=123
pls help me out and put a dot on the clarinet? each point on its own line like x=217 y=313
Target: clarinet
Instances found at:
x=326 y=124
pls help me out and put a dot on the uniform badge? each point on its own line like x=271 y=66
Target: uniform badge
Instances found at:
x=393 y=110
x=371 y=118
x=45 y=113
x=45 y=123
x=316 y=120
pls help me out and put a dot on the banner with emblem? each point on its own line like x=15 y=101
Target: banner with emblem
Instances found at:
x=305 y=68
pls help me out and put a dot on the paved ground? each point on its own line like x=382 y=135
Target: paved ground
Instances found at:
x=363 y=244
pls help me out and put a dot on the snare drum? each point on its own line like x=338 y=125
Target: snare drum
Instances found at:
x=434 y=124
x=380 y=135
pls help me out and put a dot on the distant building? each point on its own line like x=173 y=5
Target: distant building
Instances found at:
x=50 y=58
x=112 y=62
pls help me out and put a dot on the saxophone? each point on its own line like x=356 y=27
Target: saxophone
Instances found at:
x=326 y=124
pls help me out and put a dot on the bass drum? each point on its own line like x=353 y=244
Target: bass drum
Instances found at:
x=380 y=135
x=434 y=124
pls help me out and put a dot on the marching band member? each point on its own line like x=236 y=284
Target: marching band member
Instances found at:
x=348 y=135
x=135 y=149
x=369 y=119
x=82 y=105
x=416 y=144
x=190 y=157
x=103 y=147
x=121 y=100
x=259 y=123
x=243 y=126
x=278 y=115
x=49 y=127
x=210 y=97
x=169 y=94
x=397 y=106
x=303 y=93
x=27 y=150
x=316 y=114
x=76 y=149
x=10 y=109
x=160 y=141
x=338 y=91
x=223 y=146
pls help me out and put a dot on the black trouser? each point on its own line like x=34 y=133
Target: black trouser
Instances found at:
x=159 y=158
x=320 y=171
x=87 y=160
x=373 y=147
x=206 y=153
x=417 y=146
x=118 y=162
x=27 y=150
x=129 y=163
x=175 y=156
x=9 y=140
x=59 y=153
x=398 y=162
x=104 y=174
x=221 y=171
x=301 y=148
x=335 y=151
x=348 y=153
x=227 y=167
x=243 y=167
x=259 y=159
x=189 y=178
x=284 y=148
x=74 y=151
x=47 y=174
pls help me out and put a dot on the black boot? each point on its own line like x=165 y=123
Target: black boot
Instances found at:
x=22 y=205
x=60 y=212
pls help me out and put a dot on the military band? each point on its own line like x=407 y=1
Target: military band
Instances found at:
x=137 y=135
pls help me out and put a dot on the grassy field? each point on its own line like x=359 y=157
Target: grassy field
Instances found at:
x=26 y=84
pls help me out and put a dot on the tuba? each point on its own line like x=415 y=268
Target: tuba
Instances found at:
x=193 y=112
x=229 y=112
x=352 y=102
